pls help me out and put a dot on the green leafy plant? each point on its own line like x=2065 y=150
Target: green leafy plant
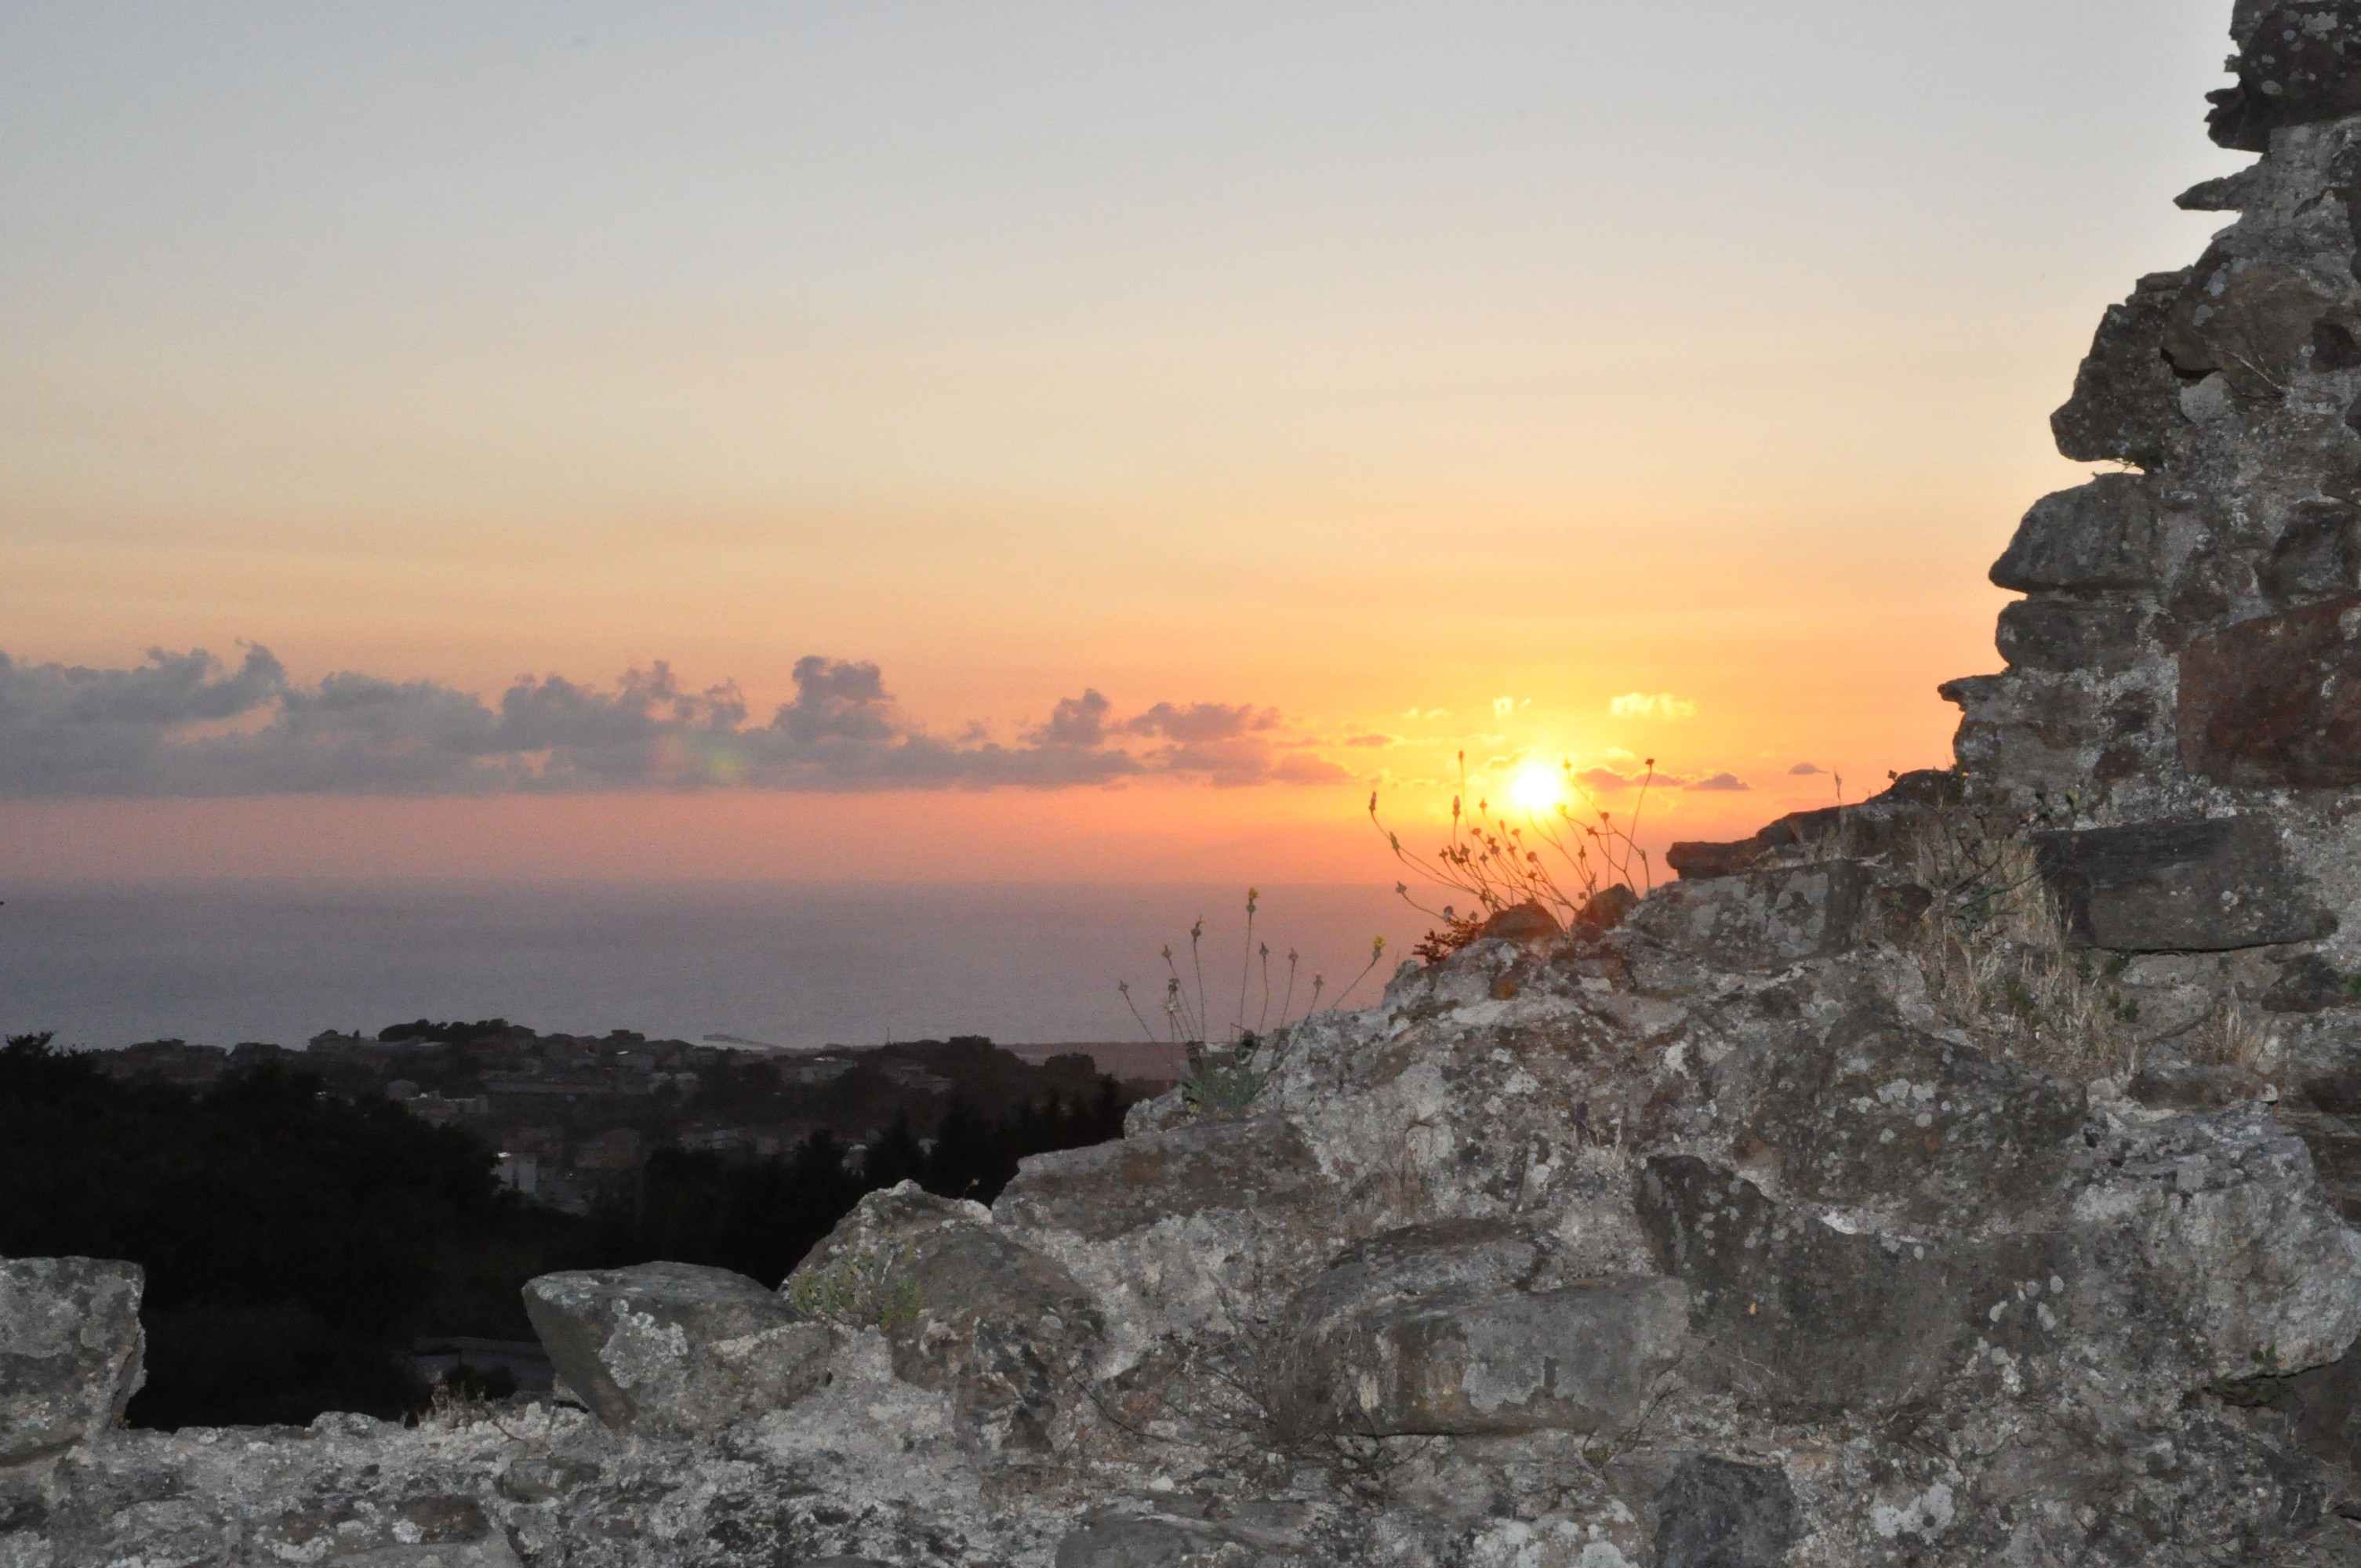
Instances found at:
x=861 y=1287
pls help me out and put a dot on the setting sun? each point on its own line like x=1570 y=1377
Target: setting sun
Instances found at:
x=1537 y=788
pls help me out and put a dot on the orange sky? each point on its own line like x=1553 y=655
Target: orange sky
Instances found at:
x=1436 y=381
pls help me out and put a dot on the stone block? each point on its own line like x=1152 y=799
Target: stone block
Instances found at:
x=2198 y=885
x=2094 y=537
x=673 y=1347
x=2064 y=635
x=69 y=1351
x=2297 y=63
x=1762 y=920
x=2275 y=702
x=2127 y=400
x=967 y=1310
x=1718 y=1513
x=1430 y=1330
x=1104 y=1190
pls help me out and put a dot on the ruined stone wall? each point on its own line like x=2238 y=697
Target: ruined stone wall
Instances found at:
x=2185 y=667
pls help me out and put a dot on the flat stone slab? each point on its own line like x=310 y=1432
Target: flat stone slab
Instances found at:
x=69 y=1351
x=675 y=1347
x=2275 y=702
x=2196 y=885
x=2096 y=536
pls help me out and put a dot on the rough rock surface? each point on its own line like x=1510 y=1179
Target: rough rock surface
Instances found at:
x=966 y=1309
x=1748 y=1226
x=70 y=1350
x=675 y=1346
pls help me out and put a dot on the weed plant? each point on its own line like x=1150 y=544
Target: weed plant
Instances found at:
x=861 y=1287
x=1227 y=1064
x=1499 y=866
x=1997 y=957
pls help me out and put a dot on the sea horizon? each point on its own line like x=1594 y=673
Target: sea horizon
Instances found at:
x=104 y=963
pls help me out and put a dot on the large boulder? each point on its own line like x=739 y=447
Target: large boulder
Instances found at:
x=69 y=1351
x=673 y=1347
x=967 y=1310
x=1875 y=1114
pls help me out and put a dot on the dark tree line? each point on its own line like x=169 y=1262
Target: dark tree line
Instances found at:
x=297 y=1240
x=759 y=1218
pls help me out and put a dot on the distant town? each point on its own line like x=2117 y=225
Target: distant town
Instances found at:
x=570 y=1115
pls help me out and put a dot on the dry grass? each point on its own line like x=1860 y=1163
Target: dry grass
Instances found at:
x=1997 y=959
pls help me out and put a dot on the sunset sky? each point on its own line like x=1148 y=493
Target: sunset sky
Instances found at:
x=1110 y=439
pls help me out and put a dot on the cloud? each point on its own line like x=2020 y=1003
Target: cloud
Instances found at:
x=187 y=725
x=1722 y=782
x=1644 y=704
x=1374 y=740
x=1601 y=780
x=1801 y=768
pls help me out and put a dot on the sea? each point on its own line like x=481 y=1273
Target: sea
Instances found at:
x=793 y=966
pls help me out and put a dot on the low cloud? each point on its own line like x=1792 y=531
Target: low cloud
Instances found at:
x=188 y=724
x=1647 y=705
x=1730 y=783
x=1806 y=769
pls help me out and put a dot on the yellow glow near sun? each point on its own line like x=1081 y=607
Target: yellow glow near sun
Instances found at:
x=1537 y=787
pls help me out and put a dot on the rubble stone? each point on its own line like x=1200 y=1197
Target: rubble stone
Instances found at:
x=966 y=1309
x=69 y=1351
x=674 y=1346
x=2127 y=403
x=1432 y=1329
x=1763 y=920
x=2054 y=634
x=1718 y=1513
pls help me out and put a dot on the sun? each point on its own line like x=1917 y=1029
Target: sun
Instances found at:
x=1537 y=788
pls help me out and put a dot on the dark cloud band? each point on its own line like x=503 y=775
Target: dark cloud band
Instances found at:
x=187 y=725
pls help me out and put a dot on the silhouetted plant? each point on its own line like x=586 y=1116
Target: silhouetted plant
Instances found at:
x=1491 y=859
